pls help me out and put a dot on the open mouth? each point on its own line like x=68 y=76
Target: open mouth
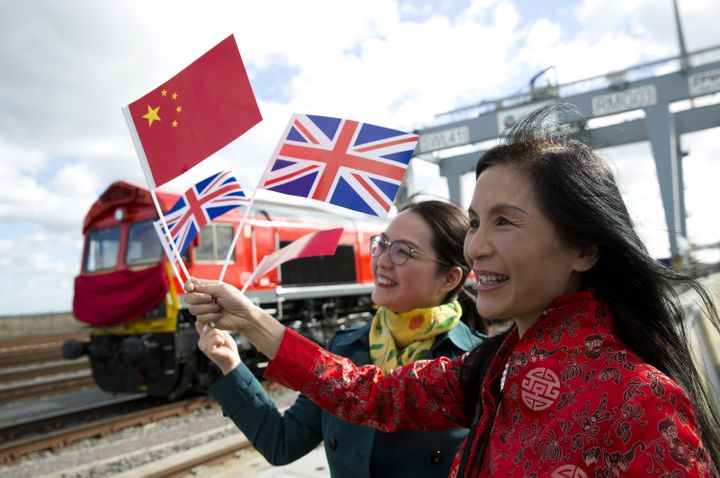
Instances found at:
x=384 y=281
x=491 y=279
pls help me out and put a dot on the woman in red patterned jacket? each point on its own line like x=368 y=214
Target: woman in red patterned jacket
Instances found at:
x=595 y=378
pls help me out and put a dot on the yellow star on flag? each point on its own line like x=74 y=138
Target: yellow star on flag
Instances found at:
x=174 y=96
x=152 y=115
x=174 y=124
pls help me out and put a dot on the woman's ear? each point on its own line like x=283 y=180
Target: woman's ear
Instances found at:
x=587 y=258
x=452 y=278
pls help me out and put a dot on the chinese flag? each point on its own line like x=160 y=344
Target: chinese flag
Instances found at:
x=193 y=114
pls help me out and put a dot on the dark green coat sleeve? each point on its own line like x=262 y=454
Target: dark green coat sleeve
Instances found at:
x=280 y=438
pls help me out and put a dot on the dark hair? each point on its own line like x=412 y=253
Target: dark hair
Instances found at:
x=449 y=225
x=577 y=192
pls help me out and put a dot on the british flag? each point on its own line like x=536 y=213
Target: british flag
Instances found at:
x=208 y=199
x=354 y=165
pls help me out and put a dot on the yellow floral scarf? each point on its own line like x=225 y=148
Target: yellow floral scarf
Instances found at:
x=398 y=339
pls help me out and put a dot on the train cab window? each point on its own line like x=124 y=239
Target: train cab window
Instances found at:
x=102 y=249
x=143 y=245
x=215 y=242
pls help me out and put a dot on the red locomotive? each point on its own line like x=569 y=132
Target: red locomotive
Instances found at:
x=143 y=338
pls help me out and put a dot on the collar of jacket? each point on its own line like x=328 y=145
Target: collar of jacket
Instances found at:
x=569 y=319
x=461 y=336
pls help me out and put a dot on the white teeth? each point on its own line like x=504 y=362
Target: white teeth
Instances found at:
x=385 y=281
x=492 y=279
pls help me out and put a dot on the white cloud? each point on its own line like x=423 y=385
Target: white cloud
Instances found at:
x=59 y=204
x=701 y=169
x=43 y=267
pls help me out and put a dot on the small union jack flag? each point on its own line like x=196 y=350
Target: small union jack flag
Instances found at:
x=354 y=165
x=208 y=199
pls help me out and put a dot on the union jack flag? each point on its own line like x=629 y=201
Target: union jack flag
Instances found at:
x=208 y=199
x=354 y=165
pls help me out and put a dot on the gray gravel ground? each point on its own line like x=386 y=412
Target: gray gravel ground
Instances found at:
x=100 y=457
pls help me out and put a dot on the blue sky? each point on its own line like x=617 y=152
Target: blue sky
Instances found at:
x=68 y=67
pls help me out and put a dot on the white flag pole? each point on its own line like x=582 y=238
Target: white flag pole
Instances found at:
x=138 y=148
x=151 y=183
x=168 y=252
x=252 y=199
x=235 y=237
x=254 y=275
x=173 y=246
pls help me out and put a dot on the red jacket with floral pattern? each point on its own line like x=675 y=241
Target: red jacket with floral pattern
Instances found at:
x=576 y=402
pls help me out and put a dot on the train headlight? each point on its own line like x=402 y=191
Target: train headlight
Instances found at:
x=120 y=214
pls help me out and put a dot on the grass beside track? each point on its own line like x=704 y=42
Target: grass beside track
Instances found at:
x=39 y=324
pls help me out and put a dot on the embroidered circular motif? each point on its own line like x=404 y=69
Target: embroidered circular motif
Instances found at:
x=540 y=388
x=568 y=471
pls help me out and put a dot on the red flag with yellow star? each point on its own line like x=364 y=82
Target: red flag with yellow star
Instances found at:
x=193 y=114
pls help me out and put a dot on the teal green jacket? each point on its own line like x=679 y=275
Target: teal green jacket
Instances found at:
x=352 y=450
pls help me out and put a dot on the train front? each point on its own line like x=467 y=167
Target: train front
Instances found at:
x=141 y=340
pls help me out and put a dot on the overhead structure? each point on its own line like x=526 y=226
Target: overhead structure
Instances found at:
x=669 y=98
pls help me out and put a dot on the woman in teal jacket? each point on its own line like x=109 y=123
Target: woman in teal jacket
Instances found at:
x=419 y=270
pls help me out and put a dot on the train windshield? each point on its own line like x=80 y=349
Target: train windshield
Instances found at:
x=102 y=249
x=215 y=240
x=143 y=245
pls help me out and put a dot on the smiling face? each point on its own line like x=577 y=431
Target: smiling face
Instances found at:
x=520 y=262
x=419 y=282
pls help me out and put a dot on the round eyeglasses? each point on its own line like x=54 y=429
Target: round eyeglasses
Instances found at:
x=399 y=251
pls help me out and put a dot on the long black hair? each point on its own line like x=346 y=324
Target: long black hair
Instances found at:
x=449 y=225
x=576 y=190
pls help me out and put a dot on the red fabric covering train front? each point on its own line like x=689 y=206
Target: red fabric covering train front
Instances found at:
x=118 y=297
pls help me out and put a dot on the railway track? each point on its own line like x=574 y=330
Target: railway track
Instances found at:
x=46 y=386
x=181 y=465
x=176 y=439
x=32 y=367
x=42 y=370
x=32 y=350
x=12 y=450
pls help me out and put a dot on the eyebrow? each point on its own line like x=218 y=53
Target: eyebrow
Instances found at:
x=406 y=241
x=499 y=208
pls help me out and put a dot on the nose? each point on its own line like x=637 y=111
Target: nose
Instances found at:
x=477 y=245
x=383 y=260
